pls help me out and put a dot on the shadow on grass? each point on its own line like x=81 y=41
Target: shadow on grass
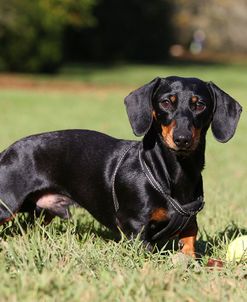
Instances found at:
x=206 y=247
x=86 y=229
x=24 y=222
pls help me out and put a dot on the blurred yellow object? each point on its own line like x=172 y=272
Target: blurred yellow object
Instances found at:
x=237 y=249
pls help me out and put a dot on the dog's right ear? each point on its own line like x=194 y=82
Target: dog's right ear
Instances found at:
x=226 y=114
x=139 y=107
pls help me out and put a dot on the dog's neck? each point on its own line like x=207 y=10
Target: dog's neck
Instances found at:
x=179 y=173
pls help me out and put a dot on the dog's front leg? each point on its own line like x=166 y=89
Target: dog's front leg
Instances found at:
x=187 y=240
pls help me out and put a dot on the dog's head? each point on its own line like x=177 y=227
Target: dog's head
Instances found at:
x=182 y=109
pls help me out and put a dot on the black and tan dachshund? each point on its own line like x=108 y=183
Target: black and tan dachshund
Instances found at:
x=151 y=187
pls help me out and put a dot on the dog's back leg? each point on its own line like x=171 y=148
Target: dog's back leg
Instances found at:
x=54 y=205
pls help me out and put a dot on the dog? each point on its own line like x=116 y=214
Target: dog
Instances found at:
x=150 y=188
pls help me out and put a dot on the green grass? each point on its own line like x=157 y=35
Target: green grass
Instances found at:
x=78 y=260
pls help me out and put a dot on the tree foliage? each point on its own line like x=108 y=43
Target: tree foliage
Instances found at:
x=31 y=31
x=38 y=35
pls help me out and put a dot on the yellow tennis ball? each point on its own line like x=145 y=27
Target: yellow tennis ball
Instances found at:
x=237 y=249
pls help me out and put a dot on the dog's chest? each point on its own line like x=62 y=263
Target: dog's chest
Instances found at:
x=183 y=184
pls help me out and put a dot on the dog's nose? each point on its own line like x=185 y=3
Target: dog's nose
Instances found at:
x=183 y=141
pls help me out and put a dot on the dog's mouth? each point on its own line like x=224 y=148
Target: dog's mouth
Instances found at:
x=183 y=151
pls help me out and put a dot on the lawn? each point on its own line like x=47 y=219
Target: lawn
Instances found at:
x=78 y=260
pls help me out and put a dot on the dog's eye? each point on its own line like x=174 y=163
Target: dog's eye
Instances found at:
x=198 y=106
x=166 y=104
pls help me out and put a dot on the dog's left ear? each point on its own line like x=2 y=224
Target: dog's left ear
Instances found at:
x=139 y=107
x=226 y=114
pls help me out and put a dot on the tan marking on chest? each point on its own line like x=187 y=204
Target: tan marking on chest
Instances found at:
x=159 y=214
